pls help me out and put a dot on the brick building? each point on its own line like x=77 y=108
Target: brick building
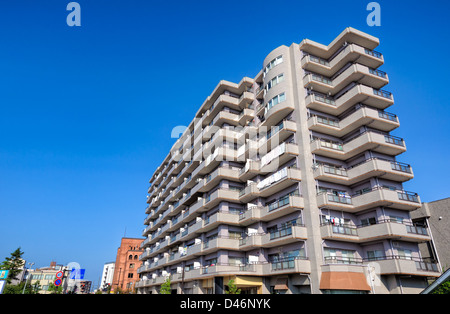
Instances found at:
x=127 y=263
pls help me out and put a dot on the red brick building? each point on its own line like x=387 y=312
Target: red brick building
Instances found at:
x=127 y=263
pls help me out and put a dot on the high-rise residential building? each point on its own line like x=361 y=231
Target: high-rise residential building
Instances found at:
x=289 y=182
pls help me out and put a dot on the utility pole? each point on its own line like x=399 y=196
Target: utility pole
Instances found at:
x=26 y=281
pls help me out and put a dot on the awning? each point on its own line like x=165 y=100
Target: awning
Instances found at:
x=281 y=284
x=344 y=281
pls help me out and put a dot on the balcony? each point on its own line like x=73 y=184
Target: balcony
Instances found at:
x=403 y=265
x=277 y=113
x=351 y=53
x=285 y=205
x=353 y=73
x=386 y=229
x=378 y=196
x=279 y=181
x=274 y=136
x=219 y=218
x=250 y=170
x=363 y=116
x=220 y=243
x=211 y=180
x=278 y=156
x=221 y=195
x=369 y=140
x=356 y=94
x=297 y=264
x=374 y=167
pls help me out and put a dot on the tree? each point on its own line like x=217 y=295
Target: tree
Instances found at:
x=232 y=288
x=165 y=287
x=14 y=264
x=444 y=288
x=54 y=289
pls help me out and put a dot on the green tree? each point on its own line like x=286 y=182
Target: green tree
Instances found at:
x=232 y=288
x=165 y=287
x=14 y=264
x=54 y=289
x=442 y=289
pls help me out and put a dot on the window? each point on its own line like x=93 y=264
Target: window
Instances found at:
x=368 y=221
x=272 y=64
x=132 y=265
x=405 y=254
x=275 y=81
x=375 y=255
x=130 y=275
x=275 y=101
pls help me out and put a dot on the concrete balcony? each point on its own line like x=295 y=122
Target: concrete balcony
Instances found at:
x=220 y=243
x=354 y=73
x=250 y=192
x=220 y=195
x=389 y=198
x=370 y=140
x=401 y=265
x=288 y=177
x=287 y=266
x=250 y=170
x=245 y=116
x=274 y=136
x=351 y=53
x=364 y=116
x=276 y=238
x=277 y=113
x=283 y=206
x=381 y=230
x=219 y=218
x=211 y=180
x=374 y=198
x=357 y=94
x=291 y=151
x=374 y=167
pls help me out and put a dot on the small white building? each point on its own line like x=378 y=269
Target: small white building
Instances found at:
x=107 y=275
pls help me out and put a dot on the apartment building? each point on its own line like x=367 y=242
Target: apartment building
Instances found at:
x=289 y=182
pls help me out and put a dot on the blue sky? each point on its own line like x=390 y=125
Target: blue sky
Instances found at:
x=80 y=122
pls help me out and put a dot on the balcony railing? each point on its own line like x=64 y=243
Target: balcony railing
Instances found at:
x=286 y=263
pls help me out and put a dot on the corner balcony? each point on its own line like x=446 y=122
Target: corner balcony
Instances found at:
x=275 y=238
x=369 y=140
x=386 y=229
x=221 y=195
x=375 y=197
x=363 y=116
x=357 y=94
x=403 y=265
x=277 y=113
x=279 y=208
x=220 y=218
x=288 y=266
x=270 y=163
x=375 y=167
x=220 y=243
x=354 y=73
x=275 y=135
x=250 y=170
x=351 y=53
x=285 y=178
x=211 y=180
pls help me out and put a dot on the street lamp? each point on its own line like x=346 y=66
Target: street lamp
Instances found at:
x=26 y=281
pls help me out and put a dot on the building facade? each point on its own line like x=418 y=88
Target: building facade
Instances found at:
x=107 y=276
x=289 y=182
x=126 y=265
x=435 y=215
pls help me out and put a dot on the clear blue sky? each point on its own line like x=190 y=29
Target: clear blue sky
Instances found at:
x=81 y=127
